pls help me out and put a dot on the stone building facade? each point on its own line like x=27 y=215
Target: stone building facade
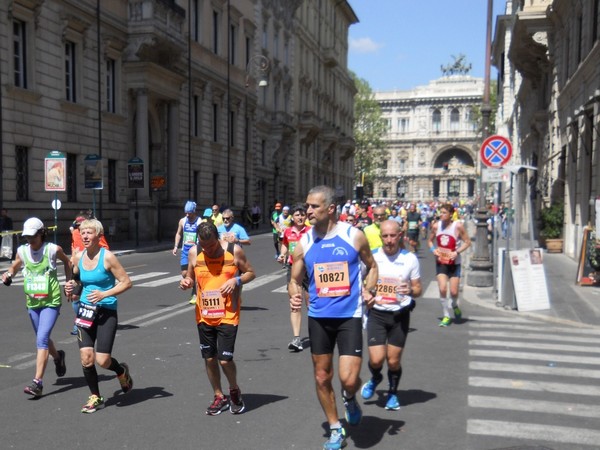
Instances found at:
x=433 y=141
x=177 y=84
x=548 y=56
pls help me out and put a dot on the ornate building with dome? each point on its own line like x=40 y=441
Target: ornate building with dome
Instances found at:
x=433 y=141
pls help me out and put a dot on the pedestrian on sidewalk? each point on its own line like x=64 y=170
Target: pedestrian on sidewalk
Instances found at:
x=331 y=254
x=42 y=292
x=388 y=321
x=447 y=240
x=103 y=278
x=187 y=236
x=218 y=269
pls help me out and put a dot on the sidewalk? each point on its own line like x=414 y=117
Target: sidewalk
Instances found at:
x=569 y=303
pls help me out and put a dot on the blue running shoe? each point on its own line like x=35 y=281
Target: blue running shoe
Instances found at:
x=392 y=403
x=368 y=389
x=336 y=440
x=353 y=411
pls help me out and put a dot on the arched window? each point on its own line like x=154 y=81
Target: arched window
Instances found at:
x=437 y=121
x=454 y=120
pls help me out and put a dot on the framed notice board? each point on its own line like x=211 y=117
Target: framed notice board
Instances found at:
x=586 y=274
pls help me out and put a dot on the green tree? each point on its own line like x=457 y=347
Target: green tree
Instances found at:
x=476 y=111
x=369 y=129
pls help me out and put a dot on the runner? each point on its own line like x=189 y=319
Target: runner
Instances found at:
x=389 y=319
x=42 y=292
x=447 y=241
x=186 y=234
x=102 y=278
x=219 y=270
x=331 y=253
x=291 y=236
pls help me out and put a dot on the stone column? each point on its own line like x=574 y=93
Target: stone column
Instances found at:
x=142 y=140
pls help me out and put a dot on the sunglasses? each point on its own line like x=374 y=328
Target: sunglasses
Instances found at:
x=227 y=218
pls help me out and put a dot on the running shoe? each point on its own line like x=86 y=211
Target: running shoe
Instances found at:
x=193 y=300
x=392 y=403
x=125 y=379
x=60 y=365
x=93 y=404
x=337 y=439
x=219 y=404
x=445 y=322
x=34 y=389
x=296 y=344
x=353 y=411
x=74 y=330
x=457 y=313
x=236 y=404
x=368 y=389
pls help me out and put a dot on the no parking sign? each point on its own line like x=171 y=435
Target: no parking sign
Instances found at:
x=495 y=151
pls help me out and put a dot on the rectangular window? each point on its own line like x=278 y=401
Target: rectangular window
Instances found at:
x=232 y=128
x=263 y=152
x=436 y=188
x=595 y=21
x=70 y=74
x=232 y=47
x=22 y=164
x=111 y=85
x=215 y=122
x=231 y=190
x=20 y=54
x=195 y=16
x=196 y=117
x=194 y=189
x=248 y=50
x=579 y=49
x=71 y=177
x=112 y=181
x=215 y=37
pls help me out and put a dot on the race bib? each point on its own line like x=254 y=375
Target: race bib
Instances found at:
x=332 y=279
x=86 y=315
x=189 y=237
x=212 y=304
x=444 y=256
x=37 y=286
x=387 y=290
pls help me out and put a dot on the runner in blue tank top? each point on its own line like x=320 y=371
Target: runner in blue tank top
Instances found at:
x=330 y=254
x=187 y=230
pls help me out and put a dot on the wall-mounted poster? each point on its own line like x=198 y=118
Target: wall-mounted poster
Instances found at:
x=55 y=169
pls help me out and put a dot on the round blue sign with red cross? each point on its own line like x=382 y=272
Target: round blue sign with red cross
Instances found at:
x=495 y=151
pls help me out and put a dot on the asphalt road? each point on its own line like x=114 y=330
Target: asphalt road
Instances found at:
x=448 y=400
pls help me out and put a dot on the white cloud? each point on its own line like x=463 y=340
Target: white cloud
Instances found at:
x=364 y=45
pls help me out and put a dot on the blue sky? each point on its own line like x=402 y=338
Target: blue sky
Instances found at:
x=401 y=44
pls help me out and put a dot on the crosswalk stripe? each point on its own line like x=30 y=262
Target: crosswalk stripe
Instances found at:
x=538 y=406
x=281 y=290
x=535 y=336
x=538 y=386
x=534 y=346
x=19 y=357
x=547 y=329
x=174 y=279
x=534 y=369
x=577 y=359
x=534 y=432
x=497 y=320
x=143 y=276
x=262 y=280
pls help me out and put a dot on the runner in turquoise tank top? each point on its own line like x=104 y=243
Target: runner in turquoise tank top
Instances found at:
x=103 y=279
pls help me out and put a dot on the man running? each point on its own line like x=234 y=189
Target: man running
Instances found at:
x=447 y=241
x=387 y=327
x=331 y=253
x=186 y=234
x=219 y=270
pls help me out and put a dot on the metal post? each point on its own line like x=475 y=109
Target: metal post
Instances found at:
x=481 y=265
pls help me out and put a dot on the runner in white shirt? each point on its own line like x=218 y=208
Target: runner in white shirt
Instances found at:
x=399 y=283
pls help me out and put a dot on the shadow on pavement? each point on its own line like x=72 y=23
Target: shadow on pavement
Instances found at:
x=137 y=396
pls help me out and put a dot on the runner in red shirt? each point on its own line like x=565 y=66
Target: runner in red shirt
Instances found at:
x=291 y=236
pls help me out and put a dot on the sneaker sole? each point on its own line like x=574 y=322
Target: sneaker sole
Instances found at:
x=91 y=411
x=393 y=409
x=238 y=411
x=129 y=379
x=216 y=413
x=33 y=394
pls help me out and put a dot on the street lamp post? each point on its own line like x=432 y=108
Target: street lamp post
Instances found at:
x=257 y=67
x=481 y=265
